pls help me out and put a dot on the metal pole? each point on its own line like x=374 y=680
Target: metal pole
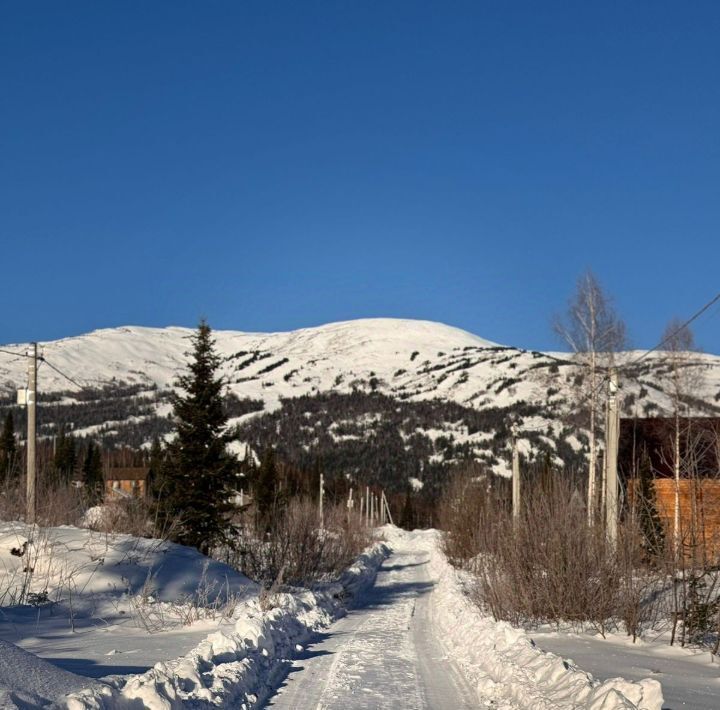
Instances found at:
x=30 y=503
x=611 y=456
x=515 y=477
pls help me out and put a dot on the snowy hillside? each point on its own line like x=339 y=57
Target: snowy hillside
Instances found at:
x=455 y=393
x=288 y=364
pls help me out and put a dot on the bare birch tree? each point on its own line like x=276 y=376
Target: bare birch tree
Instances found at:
x=594 y=332
x=679 y=344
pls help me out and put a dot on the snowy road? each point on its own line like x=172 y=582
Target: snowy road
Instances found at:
x=385 y=654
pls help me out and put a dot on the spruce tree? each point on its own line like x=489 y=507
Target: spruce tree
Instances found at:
x=93 y=475
x=407 y=515
x=266 y=489
x=65 y=459
x=198 y=475
x=154 y=480
x=7 y=446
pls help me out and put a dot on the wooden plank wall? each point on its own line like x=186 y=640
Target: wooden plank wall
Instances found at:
x=699 y=514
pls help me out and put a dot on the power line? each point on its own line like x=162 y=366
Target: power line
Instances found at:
x=675 y=332
x=60 y=372
x=10 y=352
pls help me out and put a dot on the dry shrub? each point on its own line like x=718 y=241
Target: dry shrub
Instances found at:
x=549 y=566
x=294 y=550
x=57 y=503
x=462 y=511
x=64 y=503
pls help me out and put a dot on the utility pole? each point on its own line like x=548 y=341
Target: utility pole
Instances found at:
x=387 y=509
x=515 y=478
x=611 y=456
x=676 y=476
x=30 y=503
x=322 y=494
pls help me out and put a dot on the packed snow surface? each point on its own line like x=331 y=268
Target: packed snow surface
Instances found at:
x=690 y=677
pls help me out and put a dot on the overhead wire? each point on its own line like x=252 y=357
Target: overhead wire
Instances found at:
x=10 y=352
x=675 y=332
x=62 y=374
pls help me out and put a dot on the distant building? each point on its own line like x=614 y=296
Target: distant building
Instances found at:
x=127 y=481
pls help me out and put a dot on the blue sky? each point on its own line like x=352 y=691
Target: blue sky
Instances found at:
x=274 y=165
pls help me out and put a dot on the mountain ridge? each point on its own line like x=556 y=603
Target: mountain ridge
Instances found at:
x=456 y=392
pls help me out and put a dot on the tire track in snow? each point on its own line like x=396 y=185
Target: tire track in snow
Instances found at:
x=385 y=654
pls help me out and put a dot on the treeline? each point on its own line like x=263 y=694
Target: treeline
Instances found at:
x=117 y=415
x=379 y=440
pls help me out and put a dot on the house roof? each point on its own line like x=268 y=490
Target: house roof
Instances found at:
x=128 y=473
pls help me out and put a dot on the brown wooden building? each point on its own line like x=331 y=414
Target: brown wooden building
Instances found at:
x=647 y=448
x=126 y=481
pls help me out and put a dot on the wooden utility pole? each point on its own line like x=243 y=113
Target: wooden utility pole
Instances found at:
x=350 y=504
x=515 y=478
x=387 y=508
x=30 y=504
x=611 y=456
x=322 y=495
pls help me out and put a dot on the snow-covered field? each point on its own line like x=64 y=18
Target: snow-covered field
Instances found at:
x=412 y=640
x=690 y=678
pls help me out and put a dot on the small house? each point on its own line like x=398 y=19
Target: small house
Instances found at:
x=127 y=481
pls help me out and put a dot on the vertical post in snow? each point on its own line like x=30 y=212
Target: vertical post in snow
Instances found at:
x=367 y=506
x=322 y=493
x=515 y=478
x=362 y=509
x=30 y=502
x=350 y=505
x=676 y=476
x=382 y=508
x=611 y=456
x=387 y=508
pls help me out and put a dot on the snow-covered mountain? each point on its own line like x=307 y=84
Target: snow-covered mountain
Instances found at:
x=470 y=387
x=258 y=365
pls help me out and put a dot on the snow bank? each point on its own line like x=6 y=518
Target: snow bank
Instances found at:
x=82 y=564
x=27 y=681
x=503 y=663
x=237 y=667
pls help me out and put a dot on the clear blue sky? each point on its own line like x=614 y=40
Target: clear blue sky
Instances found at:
x=274 y=165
